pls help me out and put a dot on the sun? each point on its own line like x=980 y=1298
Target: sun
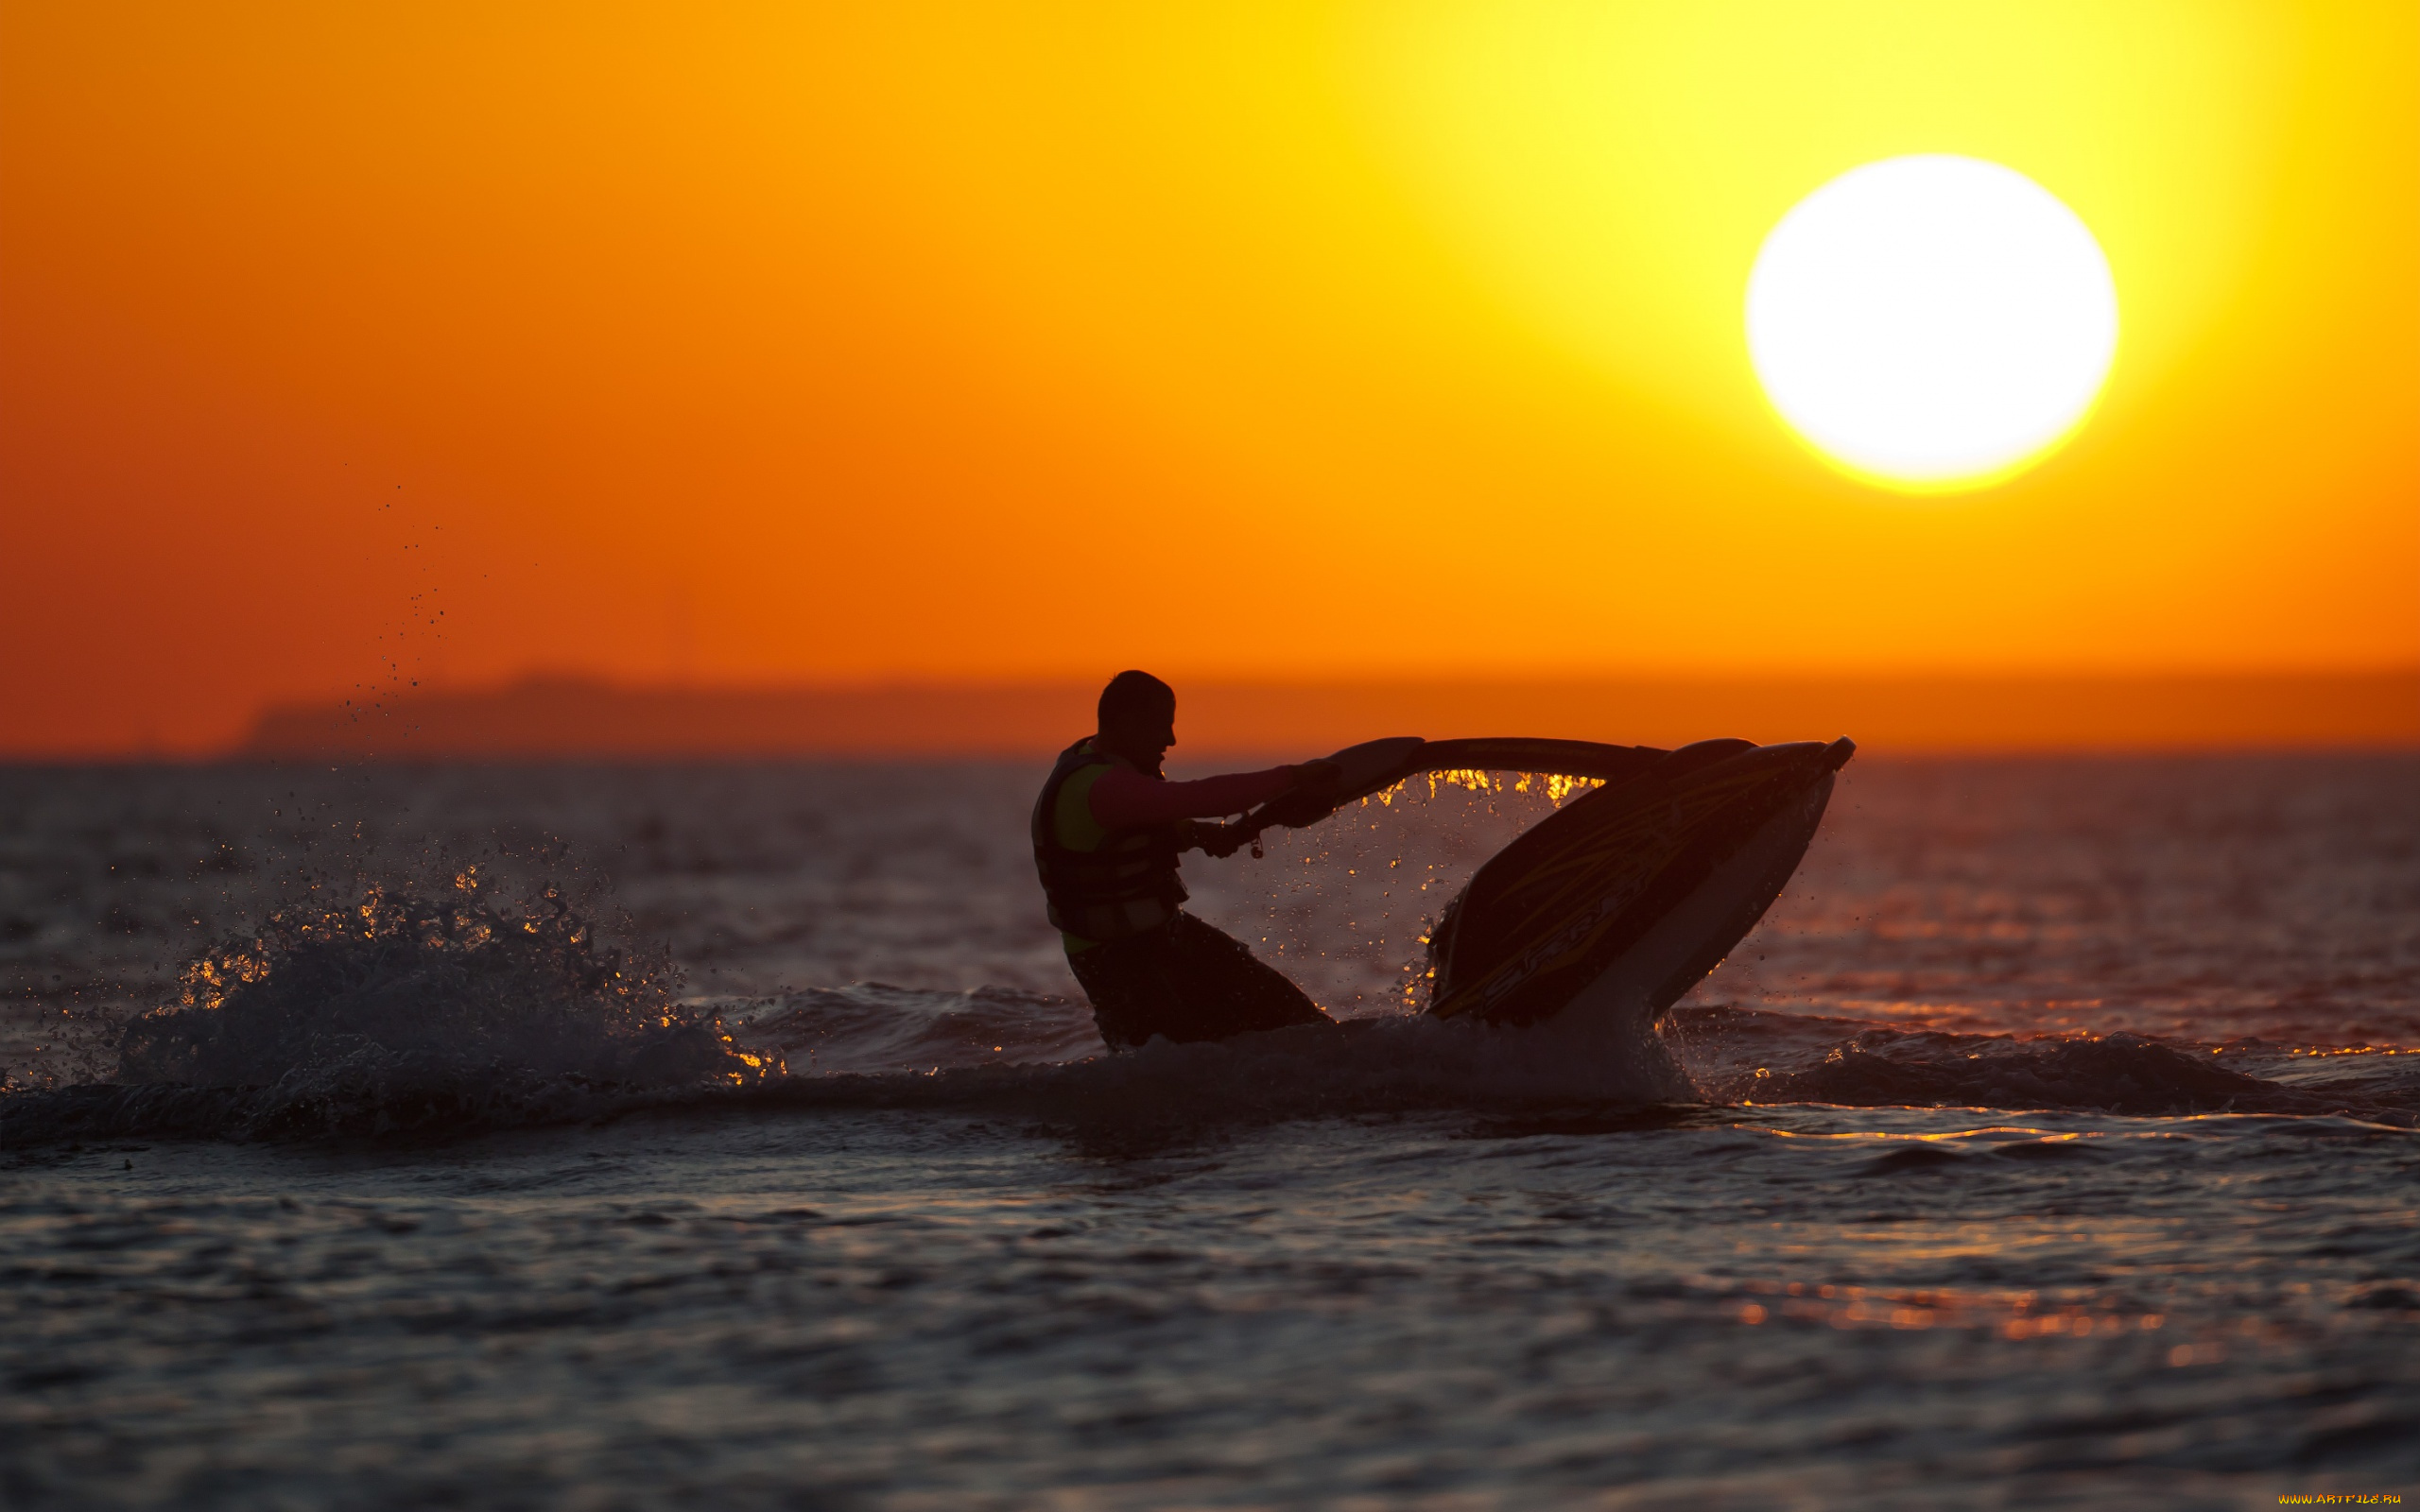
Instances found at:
x=1932 y=324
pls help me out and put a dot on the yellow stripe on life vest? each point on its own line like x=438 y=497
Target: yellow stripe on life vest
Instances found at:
x=1072 y=820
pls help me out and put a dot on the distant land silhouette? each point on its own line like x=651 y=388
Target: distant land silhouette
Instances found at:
x=554 y=717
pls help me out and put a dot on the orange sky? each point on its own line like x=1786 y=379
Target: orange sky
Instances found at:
x=1280 y=340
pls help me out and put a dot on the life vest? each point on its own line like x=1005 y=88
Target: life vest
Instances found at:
x=1122 y=886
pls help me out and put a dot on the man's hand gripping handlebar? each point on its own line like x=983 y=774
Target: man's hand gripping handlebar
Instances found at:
x=1310 y=800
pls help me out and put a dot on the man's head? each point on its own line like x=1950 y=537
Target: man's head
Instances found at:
x=1138 y=718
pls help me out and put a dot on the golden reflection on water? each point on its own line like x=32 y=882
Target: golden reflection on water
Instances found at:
x=2010 y=1315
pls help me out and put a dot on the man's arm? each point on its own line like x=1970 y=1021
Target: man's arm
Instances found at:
x=1123 y=800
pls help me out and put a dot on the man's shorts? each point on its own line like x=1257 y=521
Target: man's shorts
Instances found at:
x=1187 y=981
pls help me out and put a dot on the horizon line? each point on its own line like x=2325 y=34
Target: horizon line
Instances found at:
x=563 y=715
x=569 y=718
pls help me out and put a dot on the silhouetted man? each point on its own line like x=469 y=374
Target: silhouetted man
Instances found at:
x=1107 y=831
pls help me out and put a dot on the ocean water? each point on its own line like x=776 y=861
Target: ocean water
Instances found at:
x=726 y=1137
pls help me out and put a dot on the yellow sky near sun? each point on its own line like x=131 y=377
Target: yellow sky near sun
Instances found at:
x=784 y=342
x=1617 y=167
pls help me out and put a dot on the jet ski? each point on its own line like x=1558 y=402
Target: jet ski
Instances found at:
x=1621 y=901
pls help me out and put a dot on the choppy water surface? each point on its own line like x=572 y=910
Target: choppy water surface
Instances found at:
x=2052 y=1143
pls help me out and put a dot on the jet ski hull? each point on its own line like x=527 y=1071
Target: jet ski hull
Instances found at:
x=1626 y=898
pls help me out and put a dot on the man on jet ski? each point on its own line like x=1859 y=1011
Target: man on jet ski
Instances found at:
x=1107 y=831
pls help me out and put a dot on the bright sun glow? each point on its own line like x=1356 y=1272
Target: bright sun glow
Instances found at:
x=1932 y=324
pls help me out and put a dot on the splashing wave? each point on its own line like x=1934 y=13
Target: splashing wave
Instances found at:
x=401 y=1012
